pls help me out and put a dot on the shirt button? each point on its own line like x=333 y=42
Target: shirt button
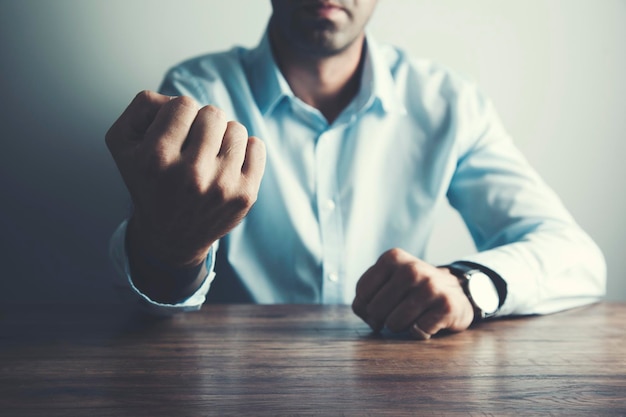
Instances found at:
x=330 y=205
x=333 y=277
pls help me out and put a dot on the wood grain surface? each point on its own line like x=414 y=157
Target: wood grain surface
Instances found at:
x=305 y=360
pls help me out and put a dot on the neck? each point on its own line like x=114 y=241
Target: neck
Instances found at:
x=327 y=83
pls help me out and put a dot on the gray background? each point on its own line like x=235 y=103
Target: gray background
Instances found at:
x=553 y=68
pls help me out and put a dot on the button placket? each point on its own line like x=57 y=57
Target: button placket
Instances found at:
x=327 y=155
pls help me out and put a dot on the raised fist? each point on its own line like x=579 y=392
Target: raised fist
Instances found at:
x=192 y=175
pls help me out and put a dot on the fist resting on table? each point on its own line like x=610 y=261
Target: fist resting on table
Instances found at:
x=402 y=292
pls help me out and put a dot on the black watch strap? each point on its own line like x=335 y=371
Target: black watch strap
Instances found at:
x=460 y=268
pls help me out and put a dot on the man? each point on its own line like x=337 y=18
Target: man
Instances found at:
x=360 y=145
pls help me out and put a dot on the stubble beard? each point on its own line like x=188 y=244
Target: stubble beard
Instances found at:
x=323 y=40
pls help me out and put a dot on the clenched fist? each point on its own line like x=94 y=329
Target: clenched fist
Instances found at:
x=402 y=292
x=192 y=176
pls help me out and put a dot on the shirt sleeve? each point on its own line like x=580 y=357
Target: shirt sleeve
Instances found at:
x=520 y=227
x=131 y=294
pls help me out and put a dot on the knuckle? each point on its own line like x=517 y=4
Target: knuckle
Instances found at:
x=144 y=97
x=236 y=129
x=257 y=143
x=429 y=286
x=185 y=102
x=256 y=149
x=404 y=278
x=407 y=275
x=145 y=100
x=392 y=256
x=411 y=272
x=213 y=112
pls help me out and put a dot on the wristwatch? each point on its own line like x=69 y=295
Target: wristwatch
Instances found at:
x=484 y=288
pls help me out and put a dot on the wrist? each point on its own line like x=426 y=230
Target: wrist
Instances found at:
x=485 y=289
x=467 y=309
x=160 y=279
x=164 y=252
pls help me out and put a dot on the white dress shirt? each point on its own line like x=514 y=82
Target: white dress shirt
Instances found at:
x=335 y=196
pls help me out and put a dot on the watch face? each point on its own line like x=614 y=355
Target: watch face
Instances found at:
x=483 y=292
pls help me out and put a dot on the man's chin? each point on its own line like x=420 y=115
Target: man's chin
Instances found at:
x=323 y=42
x=322 y=48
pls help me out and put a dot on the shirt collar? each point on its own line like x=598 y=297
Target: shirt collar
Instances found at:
x=270 y=87
x=266 y=81
x=377 y=80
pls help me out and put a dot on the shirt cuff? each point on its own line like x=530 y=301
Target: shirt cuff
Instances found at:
x=130 y=291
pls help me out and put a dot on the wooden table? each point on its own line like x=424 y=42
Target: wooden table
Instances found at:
x=305 y=360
